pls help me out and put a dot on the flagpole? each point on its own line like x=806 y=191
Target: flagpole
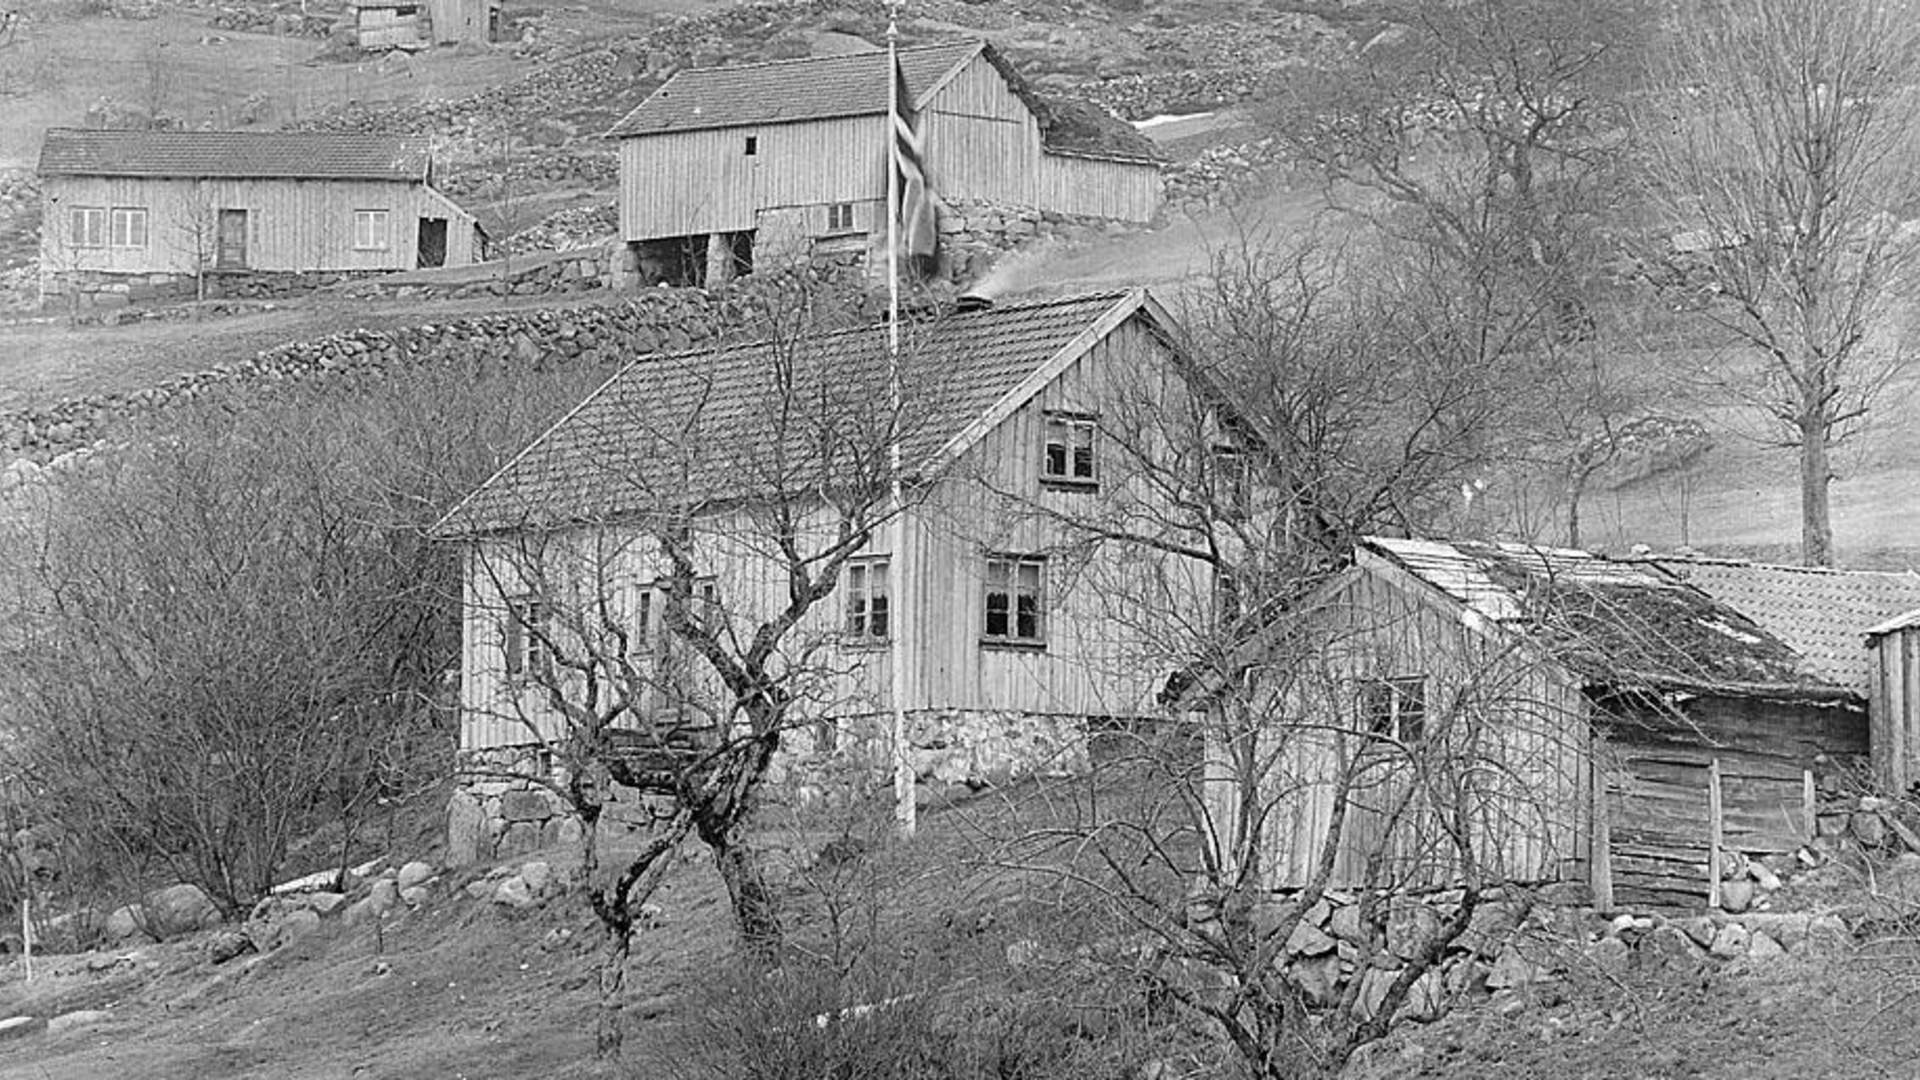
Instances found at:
x=904 y=811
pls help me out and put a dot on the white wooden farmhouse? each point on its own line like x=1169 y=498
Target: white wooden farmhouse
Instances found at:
x=135 y=214
x=1012 y=626
x=790 y=156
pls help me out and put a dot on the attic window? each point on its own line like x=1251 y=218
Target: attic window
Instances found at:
x=753 y=145
x=1067 y=458
x=1394 y=708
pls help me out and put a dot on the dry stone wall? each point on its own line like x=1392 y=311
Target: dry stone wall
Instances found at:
x=657 y=320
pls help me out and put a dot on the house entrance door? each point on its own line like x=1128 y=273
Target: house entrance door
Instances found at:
x=432 y=246
x=232 y=253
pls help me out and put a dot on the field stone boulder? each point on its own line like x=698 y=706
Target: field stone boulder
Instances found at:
x=1318 y=978
x=1309 y=940
x=414 y=873
x=1763 y=947
x=538 y=875
x=1736 y=896
x=126 y=924
x=77 y=1019
x=415 y=896
x=324 y=904
x=384 y=896
x=1512 y=969
x=225 y=945
x=514 y=893
x=1731 y=941
x=180 y=909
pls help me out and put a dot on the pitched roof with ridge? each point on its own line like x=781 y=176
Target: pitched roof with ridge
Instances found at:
x=1826 y=614
x=1625 y=624
x=719 y=424
x=234 y=154
x=857 y=84
x=784 y=91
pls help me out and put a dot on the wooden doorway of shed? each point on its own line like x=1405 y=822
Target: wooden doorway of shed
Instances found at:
x=231 y=251
x=432 y=245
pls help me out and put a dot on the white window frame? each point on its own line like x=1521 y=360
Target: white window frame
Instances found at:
x=1015 y=579
x=1394 y=707
x=372 y=230
x=526 y=651
x=1069 y=451
x=121 y=221
x=869 y=601
x=87 y=226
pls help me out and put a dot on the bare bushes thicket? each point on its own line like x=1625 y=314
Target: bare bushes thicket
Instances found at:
x=232 y=629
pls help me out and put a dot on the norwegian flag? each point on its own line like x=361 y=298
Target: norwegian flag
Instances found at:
x=919 y=231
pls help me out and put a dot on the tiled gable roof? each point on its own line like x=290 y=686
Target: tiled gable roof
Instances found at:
x=1825 y=614
x=700 y=426
x=784 y=91
x=1625 y=624
x=236 y=154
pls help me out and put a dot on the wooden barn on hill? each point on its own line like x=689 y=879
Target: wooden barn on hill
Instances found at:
x=419 y=24
x=791 y=156
x=1605 y=722
x=132 y=212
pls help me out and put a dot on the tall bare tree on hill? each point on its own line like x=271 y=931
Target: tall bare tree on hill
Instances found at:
x=1782 y=156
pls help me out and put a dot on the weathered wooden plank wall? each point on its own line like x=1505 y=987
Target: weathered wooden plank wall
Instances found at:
x=292 y=225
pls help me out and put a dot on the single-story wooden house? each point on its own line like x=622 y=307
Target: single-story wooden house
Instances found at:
x=976 y=612
x=1574 y=717
x=418 y=24
x=133 y=212
x=791 y=156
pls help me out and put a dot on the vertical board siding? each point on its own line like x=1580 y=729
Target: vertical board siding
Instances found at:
x=1531 y=756
x=292 y=225
x=686 y=183
x=1095 y=663
x=981 y=143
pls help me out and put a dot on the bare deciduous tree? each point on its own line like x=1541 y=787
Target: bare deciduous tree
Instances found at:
x=669 y=629
x=1781 y=139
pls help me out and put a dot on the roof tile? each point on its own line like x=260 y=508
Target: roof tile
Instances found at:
x=304 y=155
x=708 y=425
x=1824 y=613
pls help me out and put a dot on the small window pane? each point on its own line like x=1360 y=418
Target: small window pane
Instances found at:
x=997 y=608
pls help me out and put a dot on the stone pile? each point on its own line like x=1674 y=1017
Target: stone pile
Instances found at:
x=1220 y=175
x=974 y=234
x=568 y=230
x=594 y=167
x=282 y=20
x=655 y=320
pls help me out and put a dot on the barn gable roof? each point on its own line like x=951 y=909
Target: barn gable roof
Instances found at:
x=1823 y=613
x=234 y=154
x=1619 y=623
x=785 y=91
x=699 y=427
x=857 y=84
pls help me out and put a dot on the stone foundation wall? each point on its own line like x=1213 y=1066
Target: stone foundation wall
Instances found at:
x=975 y=234
x=500 y=810
x=102 y=290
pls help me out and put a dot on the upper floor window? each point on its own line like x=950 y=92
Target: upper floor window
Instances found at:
x=371 y=230
x=128 y=227
x=753 y=145
x=840 y=217
x=87 y=226
x=1230 y=478
x=1395 y=708
x=1016 y=600
x=869 y=601
x=1068 y=457
x=527 y=644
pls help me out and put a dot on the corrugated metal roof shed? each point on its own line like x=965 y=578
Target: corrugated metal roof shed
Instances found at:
x=233 y=154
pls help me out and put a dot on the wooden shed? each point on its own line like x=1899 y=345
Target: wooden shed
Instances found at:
x=1857 y=628
x=1628 y=727
x=793 y=153
x=125 y=205
x=419 y=24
